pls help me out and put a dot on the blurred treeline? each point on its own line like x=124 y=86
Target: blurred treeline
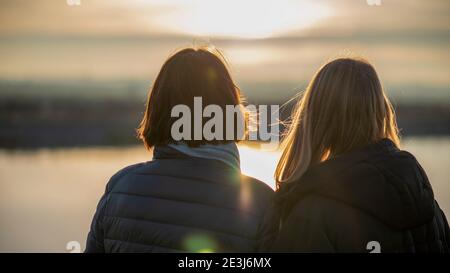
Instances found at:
x=65 y=114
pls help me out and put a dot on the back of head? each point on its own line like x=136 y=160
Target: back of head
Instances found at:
x=343 y=108
x=190 y=72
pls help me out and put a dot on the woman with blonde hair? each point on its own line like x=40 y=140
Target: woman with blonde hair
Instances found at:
x=343 y=183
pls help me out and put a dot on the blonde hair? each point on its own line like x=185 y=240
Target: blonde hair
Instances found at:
x=343 y=108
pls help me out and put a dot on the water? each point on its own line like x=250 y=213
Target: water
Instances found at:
x=48 y=197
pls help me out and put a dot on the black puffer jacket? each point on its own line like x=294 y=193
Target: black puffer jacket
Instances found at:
x=178 y=203
x=378 y=194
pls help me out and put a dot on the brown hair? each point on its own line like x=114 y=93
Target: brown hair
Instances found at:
x=190 y=72
x=343 y=108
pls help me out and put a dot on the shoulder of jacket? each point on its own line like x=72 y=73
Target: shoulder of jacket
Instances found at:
x=314 y=205
x=121 y=174
x=258 y=185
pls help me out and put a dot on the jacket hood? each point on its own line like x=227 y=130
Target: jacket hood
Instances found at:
x=381 y=180
x=226 y=153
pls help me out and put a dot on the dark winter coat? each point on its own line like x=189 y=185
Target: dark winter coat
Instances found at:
x=178 y=203
x=376 y=198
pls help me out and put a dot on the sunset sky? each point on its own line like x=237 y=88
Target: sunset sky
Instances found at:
x=232 y=18
x=265 y=41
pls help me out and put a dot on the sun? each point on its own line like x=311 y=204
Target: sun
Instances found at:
x=241 y=18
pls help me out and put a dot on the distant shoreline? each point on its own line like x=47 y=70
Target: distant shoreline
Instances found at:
x=30 y=123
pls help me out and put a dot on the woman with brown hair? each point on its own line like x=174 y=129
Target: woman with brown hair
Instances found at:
x=343 y=183
x=192 y=196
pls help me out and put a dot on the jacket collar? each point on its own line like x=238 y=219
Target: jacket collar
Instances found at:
x=167 y=152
